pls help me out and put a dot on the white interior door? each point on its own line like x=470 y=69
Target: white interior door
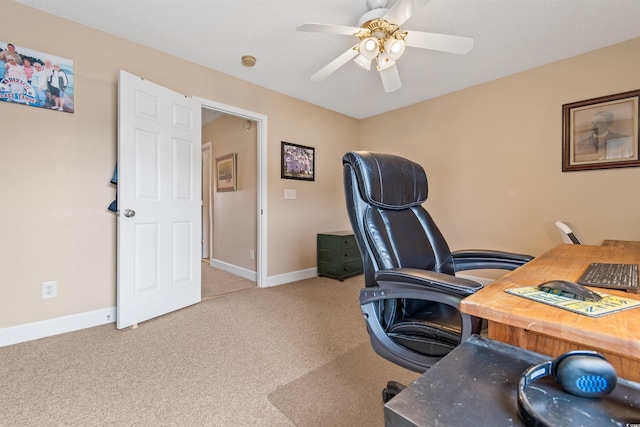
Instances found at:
x=159 y=189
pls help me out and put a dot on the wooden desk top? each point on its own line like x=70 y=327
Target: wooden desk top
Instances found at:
x=619 y=332
x=632 y=245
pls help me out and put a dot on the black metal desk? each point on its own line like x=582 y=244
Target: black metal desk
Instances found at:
x=477 y=383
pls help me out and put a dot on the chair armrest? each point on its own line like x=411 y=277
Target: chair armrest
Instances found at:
x=440 y=282
x=479 y=259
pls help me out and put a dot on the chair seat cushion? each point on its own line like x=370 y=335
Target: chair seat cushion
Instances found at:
x=426 y=341
x=435 y=331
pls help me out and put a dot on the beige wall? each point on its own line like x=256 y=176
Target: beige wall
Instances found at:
x=55 y=168
x=234 y=213
x=493 y=156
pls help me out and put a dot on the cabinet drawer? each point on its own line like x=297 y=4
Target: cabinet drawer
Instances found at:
x=336 y=243
x=340 y=271
x=338 y=257
x=352 y=267
x=350 y=254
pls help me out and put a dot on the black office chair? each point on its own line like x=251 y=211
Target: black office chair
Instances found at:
x=412 y=296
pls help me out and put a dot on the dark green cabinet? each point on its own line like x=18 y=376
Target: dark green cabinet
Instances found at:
x=338 y=255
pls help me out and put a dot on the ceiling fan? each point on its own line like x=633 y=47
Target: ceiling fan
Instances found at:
x=382 y=40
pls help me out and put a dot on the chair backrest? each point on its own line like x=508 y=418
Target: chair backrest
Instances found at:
x=569 y=233
x=384 y=195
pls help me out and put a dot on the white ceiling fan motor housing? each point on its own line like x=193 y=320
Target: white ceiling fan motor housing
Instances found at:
x=375 y=4
x=377 y=9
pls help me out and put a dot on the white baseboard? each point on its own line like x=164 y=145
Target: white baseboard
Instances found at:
x=293 y=276
x=59 y=325
x=75 y=322
x=234 y=269
x=280 y=279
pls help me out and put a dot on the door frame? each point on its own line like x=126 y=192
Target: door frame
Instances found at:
x=206 y=240
x=261 y=151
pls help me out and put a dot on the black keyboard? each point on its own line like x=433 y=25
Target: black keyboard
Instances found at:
x=623 y=277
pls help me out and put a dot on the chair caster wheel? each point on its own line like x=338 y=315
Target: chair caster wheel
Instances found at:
x=392 y=389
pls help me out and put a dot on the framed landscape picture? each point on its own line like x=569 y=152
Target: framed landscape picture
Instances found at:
x=226 y=174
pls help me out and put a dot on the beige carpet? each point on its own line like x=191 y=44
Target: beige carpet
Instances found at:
x=221 y=362
x=347 y=390
x=216 y=282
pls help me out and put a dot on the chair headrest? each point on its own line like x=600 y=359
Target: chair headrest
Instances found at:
x=388 y=181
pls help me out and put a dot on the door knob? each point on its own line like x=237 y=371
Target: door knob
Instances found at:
x=129 y=213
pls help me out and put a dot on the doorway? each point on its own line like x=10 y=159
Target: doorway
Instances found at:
x=260 y=122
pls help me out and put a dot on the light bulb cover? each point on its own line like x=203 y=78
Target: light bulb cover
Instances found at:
x=369 y=48
x=394 y=48
x=363 y=62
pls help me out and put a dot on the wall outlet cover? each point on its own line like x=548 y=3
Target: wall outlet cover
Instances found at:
x=49 y=290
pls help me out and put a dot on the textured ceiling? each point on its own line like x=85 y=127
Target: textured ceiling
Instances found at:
x=510 y=36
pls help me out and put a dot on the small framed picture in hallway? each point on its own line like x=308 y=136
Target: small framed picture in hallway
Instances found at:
x=226 y=175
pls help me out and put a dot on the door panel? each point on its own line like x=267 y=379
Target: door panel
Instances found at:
x=159 y=191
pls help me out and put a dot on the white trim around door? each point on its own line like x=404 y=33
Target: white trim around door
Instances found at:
x=261 y=147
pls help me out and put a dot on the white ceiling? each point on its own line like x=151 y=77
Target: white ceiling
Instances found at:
x=510 y=36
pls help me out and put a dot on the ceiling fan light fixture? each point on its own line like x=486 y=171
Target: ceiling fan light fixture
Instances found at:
x=380 y=37
x=394 y=48
x=369 y=48
x=363 y=62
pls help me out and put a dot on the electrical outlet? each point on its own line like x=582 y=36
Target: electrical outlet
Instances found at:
x=252 y=254
x=49 y=290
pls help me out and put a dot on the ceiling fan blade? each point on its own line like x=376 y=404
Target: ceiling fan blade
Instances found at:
x=390 y=79
x=333 y=66
x=441 y=42
x=328 y=28
x=402 y=10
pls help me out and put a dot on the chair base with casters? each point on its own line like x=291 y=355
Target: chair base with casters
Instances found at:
x=411 y=297
x=391 y=390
